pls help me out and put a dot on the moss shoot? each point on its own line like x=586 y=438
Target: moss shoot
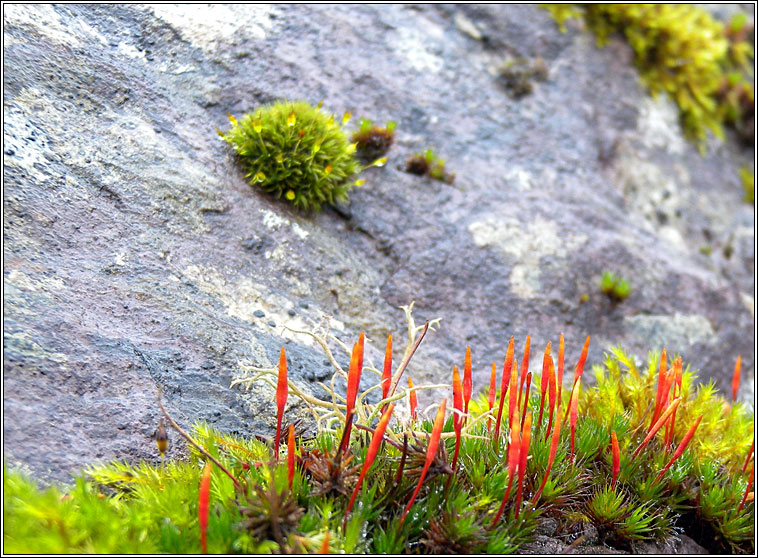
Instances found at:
x=615 y=288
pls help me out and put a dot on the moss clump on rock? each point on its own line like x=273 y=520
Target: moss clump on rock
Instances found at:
x=681 y=50
x=295 y=151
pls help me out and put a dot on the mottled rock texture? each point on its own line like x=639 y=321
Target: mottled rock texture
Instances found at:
x=137 y=256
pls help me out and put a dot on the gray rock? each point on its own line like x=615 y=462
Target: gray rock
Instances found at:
x=688 y=546
x=680 y=544
x=546 y=526
x=542 y=544
x=136 y=255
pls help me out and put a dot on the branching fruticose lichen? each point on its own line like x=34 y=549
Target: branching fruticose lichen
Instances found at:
x=680 y=49
x=644 y=454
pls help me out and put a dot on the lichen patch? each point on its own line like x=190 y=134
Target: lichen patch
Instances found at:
x=21 y=343
x=275 y=222
x=72 y=33
x=412 y=45
x=749 y=302
x=207 y=25
x=527 y=244
x=679 y=330
x=23 y=281
x=658 y=125
x=243 y=298
x=130 y=51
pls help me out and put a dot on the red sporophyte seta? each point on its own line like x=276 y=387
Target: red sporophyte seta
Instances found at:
x=505 y=382
x=657 y=426
x=468 y=382
x=281 y=400
x=665 y=379
x=491 y=393
x=353 y=381
x=747 y=491
x=457 y=409
x=526 y=435
x=675 y=392
x=524 y=368
x=387 y=371
x=514 y=448
x=616 y=459
x=412 y=399
x=680 y=449
x=579 y=370
x=513 y=395
x=736 y=378
x=749 y=455
x=202 y=506
x=434 y=441
x=661 y=382
x=552 y=394
x=543 y=382
x=572 y=412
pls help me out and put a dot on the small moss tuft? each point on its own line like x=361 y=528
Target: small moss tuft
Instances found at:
x=614 y=287
x=372 y=141
x=427 y=163
x=518 y=76
x=295 y=151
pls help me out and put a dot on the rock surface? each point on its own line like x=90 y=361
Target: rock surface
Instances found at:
x=136 y=255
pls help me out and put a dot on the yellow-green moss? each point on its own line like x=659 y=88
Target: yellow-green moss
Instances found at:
x=681 y=50
x=295 y=151
x=748 y=184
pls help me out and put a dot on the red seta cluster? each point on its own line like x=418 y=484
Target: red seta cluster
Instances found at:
x=514 y=388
